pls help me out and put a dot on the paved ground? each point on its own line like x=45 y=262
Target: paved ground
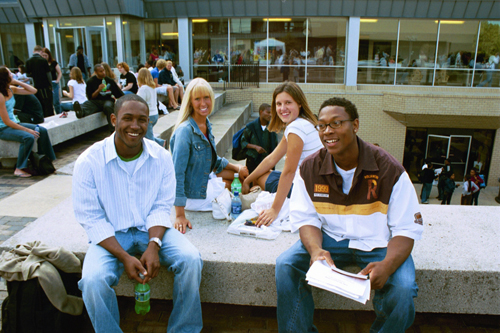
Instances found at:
x=232 y=318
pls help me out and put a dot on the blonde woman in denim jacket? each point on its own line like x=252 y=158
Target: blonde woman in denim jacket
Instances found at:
x=194 y=153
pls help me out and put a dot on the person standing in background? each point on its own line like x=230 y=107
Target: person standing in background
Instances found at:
x=80 y=60
x=55 y=71
x=38 y=68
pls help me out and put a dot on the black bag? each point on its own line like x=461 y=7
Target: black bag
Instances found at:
x=28 y=310
x=41 y=164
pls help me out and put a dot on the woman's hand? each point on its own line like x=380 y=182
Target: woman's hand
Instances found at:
x=32 y=132
x=181 y=224
x=266 y=217
x=245 y=188
x=243 y=173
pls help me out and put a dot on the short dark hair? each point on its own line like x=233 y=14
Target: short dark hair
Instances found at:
x=264 y=106
x=349 y=107
x=128 y=98
x=97 y=66
x=79 y=47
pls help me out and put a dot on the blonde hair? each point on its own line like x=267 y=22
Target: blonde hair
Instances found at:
x=161 y=63
x=76 y=74
x=291 y=88
x=108 y=71
x=196 y=87
x=144 y=77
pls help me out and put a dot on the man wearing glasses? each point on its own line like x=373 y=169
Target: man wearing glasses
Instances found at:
x=353 y=204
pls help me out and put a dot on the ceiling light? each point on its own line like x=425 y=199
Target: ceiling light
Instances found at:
x=451 y=22
x=368 y=20
x=199 y=20
x=278 y=19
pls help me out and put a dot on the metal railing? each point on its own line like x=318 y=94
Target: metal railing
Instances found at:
x=243 y=76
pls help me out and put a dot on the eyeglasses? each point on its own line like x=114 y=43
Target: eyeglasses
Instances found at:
x=334 y=124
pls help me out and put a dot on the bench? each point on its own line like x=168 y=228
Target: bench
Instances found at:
x=457 y=261
x=59 y=129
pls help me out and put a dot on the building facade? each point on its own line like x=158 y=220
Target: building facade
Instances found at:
x=425 y=75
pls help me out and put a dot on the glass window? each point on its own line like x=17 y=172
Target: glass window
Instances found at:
x=15 y=51
x=210 y=43
x=287 y=44
x=377 y=50
x=326 y=40
x=456 y=52
x=164 y=37
x=487 y=72
x=131 y=40
x=417 y=52
x=111 y=41
x=248 y=41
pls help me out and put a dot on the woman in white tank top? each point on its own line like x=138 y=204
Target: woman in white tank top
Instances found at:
x=290 y=112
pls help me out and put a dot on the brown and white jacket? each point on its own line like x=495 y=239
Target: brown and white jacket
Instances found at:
x=381 y=202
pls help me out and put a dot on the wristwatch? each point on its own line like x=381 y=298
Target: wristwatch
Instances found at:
x=156 y=240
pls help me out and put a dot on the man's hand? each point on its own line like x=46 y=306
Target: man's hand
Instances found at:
x=243 y=173
x=259 y=149
x=266 y=217
x=379 y=273
x=182 y=223
x=151 y=261
x=321 y=254
x=101 y=86
x=133 y=267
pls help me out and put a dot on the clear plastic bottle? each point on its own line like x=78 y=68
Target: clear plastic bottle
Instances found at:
x=142 y=293
x=37 y=128
x=236 y=184
x=236 y=205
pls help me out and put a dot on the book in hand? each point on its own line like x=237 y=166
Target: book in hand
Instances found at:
x=354 y=286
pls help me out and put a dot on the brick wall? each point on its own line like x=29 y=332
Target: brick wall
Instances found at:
x=414 y=106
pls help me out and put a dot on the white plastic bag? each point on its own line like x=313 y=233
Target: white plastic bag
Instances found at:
x=215 y=187
x=221 y=206
x=265 y=201
x=238 y=227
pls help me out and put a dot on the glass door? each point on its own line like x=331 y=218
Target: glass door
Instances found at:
x=455 y=148
x=458 y=154
x=96 y=44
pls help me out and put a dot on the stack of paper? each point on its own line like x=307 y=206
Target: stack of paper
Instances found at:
x=353 y=286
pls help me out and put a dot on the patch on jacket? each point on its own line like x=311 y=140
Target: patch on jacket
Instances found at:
x=321 y=190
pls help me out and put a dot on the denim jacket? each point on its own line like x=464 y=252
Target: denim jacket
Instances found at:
x=192 y=156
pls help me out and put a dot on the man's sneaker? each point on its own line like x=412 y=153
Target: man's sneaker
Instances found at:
x=78 y=109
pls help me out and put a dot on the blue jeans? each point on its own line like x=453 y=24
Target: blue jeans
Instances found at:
x=393 y=303
x=426 y=191
x=475 y=198
x=149 y=134
x=102 y=270
x=126 y=92
x=27 y=140
x=67 y=106
x=55 y=97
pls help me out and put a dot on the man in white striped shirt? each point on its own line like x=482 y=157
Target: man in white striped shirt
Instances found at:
x=123 y=191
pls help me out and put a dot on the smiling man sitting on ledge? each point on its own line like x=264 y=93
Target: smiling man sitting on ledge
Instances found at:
x=123 y=191
x=352 y=203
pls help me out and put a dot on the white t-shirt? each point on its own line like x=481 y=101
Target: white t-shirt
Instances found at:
x=149 y=95
x=79 y=93
x=347 y=177
x=308 y=134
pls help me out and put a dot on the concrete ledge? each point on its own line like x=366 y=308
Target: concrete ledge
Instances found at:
x=457 y=261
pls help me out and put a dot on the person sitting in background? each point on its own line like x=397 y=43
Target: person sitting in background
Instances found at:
x=77 y=88
x=138 y=69
x=100 y=91
x=167 y=89
x=148 y=93
x=178 y=71
x=13 y=130
x=21 y=75
x=128 y=82
x=257 y=140
x=178 y=83
x=448 y=189
x=109 y=72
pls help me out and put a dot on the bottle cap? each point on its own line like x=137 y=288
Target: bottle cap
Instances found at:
x=236 y=175
x=141 y=276
x=236 y=193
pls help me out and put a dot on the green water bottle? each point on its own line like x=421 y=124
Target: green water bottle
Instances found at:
x=236 y=184
x=105 y=85
x=142 y=292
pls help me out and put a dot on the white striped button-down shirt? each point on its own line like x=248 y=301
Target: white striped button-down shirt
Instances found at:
x=106 y=198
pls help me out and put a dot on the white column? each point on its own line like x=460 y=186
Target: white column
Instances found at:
x=30 y=36
x=119 y=39
x=352 y=51
x=142 y=42
x=46 y=38
x=185 y=47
